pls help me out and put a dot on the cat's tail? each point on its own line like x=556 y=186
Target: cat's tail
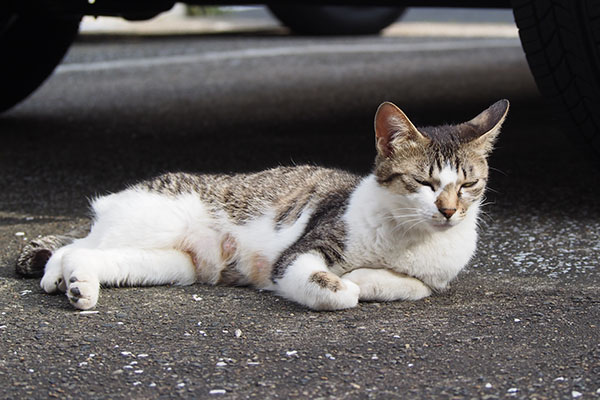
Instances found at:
x=35 y=254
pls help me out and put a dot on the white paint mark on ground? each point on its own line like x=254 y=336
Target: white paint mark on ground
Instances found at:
x=286 y=51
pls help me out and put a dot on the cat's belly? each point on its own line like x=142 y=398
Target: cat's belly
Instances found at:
x=222 y=250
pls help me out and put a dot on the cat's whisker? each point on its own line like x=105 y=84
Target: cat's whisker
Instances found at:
x=498 y=170
x=488 y=188
x=404 y=223
x=412 y=226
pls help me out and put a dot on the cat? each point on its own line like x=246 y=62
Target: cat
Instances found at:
x=323 y=238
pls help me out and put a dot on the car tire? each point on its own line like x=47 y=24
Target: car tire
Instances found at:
x=561 y=40
x=335 y=20
x=32 y=46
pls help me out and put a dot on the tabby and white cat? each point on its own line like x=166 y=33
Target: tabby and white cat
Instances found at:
x=321 y=237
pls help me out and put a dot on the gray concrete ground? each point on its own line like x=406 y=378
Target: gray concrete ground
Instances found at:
x=521 y=322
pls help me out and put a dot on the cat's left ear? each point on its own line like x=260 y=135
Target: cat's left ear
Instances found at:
x=486 y=126
x=393 y=128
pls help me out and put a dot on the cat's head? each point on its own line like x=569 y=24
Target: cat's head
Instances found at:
x=436 y=174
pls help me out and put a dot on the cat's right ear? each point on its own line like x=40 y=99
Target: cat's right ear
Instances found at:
x=392 y=128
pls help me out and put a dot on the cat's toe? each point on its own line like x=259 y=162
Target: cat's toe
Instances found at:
x=52 y=283
x=82 y=294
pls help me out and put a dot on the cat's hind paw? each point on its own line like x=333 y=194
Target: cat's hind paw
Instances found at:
x=83 y=291
x=53 y=281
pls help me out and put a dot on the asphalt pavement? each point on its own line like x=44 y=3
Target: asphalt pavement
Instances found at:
x=521 y=322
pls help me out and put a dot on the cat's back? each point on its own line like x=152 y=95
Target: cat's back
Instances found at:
x=284 y=190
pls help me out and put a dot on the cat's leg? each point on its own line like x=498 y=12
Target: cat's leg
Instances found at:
x=86 y=269
x=308 y=281
x=53 y=279
x=387 y=285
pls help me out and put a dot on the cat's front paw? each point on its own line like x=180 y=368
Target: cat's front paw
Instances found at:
x=331 y=292
x=83 y=291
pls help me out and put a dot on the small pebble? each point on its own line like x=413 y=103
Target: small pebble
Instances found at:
x=20 y=234
x=575 y=394
x=218 y=391
x=291 y=353
x=238 y=333
x=513 y=390
x=221 y=364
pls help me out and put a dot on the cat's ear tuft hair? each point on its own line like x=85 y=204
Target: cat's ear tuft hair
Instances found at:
x=392 y=126
x=486 y=126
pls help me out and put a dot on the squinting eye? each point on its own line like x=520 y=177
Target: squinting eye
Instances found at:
x=425 y=183
x=469 y=184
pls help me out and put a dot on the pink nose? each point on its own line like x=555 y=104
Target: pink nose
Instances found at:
x=447 y=212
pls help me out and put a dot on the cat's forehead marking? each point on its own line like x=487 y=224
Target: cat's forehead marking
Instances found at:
x=447 y=175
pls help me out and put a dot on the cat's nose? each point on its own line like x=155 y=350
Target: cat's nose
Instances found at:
x=447 y=212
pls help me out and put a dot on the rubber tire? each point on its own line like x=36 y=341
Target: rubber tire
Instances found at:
x=335 y=20
x=561 y=39
x=32 y=46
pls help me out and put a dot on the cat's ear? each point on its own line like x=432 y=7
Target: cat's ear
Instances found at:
x=486 y=126
x=392 y=127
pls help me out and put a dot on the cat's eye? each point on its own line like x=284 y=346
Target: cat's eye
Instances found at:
x=467 y=185
x=425 y=183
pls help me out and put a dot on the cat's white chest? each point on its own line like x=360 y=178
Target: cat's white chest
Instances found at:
x=436 y=258
x=374 y=240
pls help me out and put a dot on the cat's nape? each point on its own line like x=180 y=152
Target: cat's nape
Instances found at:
x=321 y=237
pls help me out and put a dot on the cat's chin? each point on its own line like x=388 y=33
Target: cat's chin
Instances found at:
x=442 y=226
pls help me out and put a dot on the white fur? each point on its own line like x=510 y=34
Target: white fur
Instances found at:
x=296 y=285
x=386 y=285
x=395 y=232
x=138 y=237
x=447 y=176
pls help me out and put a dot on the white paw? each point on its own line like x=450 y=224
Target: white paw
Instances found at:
x=83 y=291
x=386 y=285
x=53 y=280
x=329 y=292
